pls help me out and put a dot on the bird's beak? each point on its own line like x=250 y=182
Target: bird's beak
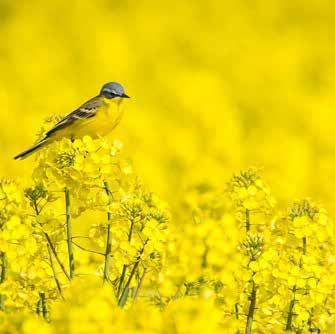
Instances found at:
x=125 y=95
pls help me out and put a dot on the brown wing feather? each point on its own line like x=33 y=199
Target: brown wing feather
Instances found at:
x=87 y=110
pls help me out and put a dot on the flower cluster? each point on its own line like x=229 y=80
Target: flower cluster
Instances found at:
x=223 y=256
x=85 y=247
x=25 y=274
x=250 y=195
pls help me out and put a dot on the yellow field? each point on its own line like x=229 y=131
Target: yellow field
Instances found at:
x=221 y=172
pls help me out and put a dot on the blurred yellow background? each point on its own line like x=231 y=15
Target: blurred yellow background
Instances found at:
x=216 y=86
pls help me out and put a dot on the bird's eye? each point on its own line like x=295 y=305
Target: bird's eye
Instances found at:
x=108 y=93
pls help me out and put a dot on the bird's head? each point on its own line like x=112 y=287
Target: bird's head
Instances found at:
x=113 y=90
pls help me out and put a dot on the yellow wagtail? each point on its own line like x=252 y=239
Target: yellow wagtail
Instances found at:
x=96 y=117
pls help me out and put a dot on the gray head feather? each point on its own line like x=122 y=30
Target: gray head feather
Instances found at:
x=112 y=89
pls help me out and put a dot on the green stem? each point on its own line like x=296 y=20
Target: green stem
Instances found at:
x=124 y=269
x=131 y=230
x=247 y=220
x=3 y=259
x=69 y=232
x=290 y=313
x=204 y=260
x=140 y=283
x=41 y=308
x=87 y=250
x=236 y=311
x=54 y=252
x=132 y=273
x=304 y=245
x=123 y=275
x=52 y=247
x=252 y=308
x=108 y=252
x=288 y=326
x=59 y=288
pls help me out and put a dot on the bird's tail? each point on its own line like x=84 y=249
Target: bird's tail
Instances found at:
x=30 y=150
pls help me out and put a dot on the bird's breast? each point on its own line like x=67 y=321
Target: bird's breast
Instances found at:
x=108 y=118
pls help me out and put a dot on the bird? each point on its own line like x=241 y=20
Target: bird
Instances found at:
x=95 y=118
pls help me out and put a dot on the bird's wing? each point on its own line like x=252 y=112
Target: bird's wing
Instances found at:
x=87 y=110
